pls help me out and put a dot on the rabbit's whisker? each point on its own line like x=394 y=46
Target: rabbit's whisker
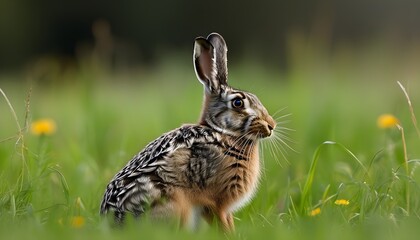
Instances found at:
x=278 y=112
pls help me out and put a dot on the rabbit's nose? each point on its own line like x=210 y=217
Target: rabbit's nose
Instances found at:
x=270 y=129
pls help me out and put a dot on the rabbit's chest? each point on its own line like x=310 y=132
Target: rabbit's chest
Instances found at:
x=215 y=178
x=243 y=196
x=237 y=182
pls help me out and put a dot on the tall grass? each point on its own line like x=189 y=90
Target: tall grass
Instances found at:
x=361 y=180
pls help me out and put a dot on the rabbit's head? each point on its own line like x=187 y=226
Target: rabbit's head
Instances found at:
x=226 y=109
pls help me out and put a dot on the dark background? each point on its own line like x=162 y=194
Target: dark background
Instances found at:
x=143 y=29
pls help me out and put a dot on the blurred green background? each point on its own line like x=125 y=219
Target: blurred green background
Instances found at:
x=114 y=76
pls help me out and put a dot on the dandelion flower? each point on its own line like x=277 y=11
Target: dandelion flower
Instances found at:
x=387 y=121
x=43 y=127
x=342 y=202
x=315 y=212
x=77 y=221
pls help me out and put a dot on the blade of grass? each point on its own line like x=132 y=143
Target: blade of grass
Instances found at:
x=407 y=170
x=19 y=141
x=413 y=116
x=64 y=184
x=12 y=110
x=13 y=205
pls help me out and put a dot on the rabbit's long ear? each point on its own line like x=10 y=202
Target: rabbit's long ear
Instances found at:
x=210 y=61
x=220 y=51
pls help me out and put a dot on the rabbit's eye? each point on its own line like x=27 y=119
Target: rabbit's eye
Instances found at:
x=237 y=103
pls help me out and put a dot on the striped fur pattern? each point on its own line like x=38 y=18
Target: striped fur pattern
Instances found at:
x=209 y=169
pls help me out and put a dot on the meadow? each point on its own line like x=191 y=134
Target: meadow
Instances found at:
x=338 y=173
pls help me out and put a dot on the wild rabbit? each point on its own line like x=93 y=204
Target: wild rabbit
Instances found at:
x=208 y=169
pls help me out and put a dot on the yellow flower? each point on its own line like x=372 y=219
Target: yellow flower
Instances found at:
x=77 y=221
x=343 y=202
x=387 y=121
x=315 y=212
x=43 y=127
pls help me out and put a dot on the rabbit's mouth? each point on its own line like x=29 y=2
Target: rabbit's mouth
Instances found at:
x=262 y=128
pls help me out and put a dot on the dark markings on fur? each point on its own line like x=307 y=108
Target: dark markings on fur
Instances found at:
x=202 y=164
x=235 y=155
x=244 y=150
x=236 y=165
x=236 y=178
x=234 y=188
x=242 y=95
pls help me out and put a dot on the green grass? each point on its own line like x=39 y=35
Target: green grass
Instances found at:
x=103 y=118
